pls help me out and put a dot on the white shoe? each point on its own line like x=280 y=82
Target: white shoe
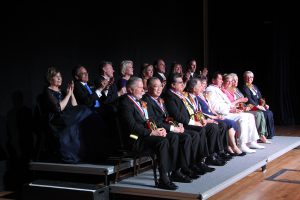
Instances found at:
x=246 y=149
x=254 y=145
x=268 y=142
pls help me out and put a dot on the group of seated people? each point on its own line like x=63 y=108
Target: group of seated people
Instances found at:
x=189 y=126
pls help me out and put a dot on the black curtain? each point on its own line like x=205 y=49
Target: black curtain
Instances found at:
x=38 y=35
x=261 y=37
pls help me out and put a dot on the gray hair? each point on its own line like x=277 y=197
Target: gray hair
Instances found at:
x=124 y=65
x=234 y=75
x=191 y=84
x=246 y=73
x=132 y=82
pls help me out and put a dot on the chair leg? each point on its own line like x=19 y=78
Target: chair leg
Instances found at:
x=138 y=166
x=134 y=166
x=118 y=170
x=154 y=167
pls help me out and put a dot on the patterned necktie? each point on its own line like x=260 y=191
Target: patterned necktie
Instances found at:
x=97 y=103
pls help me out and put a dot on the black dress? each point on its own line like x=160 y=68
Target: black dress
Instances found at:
x=64 y=127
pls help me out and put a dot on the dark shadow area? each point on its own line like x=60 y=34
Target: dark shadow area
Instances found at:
x=20 y=144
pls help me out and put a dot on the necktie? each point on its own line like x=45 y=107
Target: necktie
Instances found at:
x=97 y=103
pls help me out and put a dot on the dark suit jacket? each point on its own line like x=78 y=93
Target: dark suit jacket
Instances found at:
x=176 y=108
x=112 y=95
x=131 y=119
x=253 y=99
x=159 y=76
x=82 y=95
x=156 y=113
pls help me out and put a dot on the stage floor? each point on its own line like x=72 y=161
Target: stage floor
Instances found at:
x=211 y=183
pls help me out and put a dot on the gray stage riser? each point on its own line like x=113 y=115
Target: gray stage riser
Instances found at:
x=211 y=183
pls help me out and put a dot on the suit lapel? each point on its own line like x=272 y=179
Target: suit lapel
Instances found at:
x=154 y=105
x=139 y=113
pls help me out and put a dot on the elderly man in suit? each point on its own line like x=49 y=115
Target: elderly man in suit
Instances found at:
x=140 y=134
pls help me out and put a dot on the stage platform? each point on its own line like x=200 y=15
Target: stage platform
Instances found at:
x=110 y=167
x=211 y=183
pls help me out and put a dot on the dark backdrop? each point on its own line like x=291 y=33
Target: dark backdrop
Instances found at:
x=252 y=35
x=38 y=35
x=263 y=37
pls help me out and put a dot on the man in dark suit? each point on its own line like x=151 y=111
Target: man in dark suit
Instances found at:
x=160 y=71
x=191 y=68
x=110 y=92
x=158 y=112
x=134 y=117
x=181 y=110
x=83 y=92
x=109 y=102
x=95 y=127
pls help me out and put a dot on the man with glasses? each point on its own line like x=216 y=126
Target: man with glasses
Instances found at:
x=83 y=92
x=95 y=126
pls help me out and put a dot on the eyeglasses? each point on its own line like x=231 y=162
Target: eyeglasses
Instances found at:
x=84 y=73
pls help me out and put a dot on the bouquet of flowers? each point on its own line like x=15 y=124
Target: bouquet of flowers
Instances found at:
x=262 y=102
x=144 y=104
x=150 y=124
x=199 y=117
x=171 y=121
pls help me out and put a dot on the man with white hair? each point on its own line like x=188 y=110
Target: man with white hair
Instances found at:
x=138 y=135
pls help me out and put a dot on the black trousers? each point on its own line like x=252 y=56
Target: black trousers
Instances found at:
x=173 y=139
x=199 y=143
x=212 y=134
x=182 y=152
x=223 y=139
x=159 y=145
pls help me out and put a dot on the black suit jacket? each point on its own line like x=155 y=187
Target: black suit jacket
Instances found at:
x=131 y=119
x=159 y=76
x=112 y=95
x=176 y=108
x=82 y=95
x=156 y=113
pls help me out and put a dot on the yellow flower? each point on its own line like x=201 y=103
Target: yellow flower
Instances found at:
x=160 y=100
x=144 y=104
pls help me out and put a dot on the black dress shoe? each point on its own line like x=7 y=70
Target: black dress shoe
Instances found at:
x=221 y=159
x=197 y=170
x=214 y=161
x=241 y=154
x=225 y=156
x=190 y=173
x=205 y=168
x=232 y=154
x=179 y=177
x=166 y=186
